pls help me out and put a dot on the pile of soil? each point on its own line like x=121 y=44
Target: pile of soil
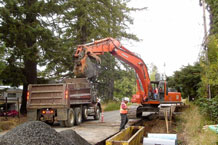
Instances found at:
x=39 y=133
x=158 y=126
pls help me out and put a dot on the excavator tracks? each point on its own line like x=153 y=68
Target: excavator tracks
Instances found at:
x=133 y=111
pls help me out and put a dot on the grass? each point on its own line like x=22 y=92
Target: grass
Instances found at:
x=190 y=128
x=110 y=106
x=10 y=123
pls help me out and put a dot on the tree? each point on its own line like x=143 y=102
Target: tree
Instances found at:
x=187 y=80
x=125 y=83
x=2 y=63
x=97 y=19
x=154 y=75
x=209 y=74
x=27 y=38
x=43 y=33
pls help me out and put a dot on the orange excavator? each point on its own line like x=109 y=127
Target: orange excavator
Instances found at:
x=144 y=100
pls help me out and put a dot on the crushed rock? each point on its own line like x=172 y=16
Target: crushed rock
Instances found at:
x=39 y=133
x=74 y=137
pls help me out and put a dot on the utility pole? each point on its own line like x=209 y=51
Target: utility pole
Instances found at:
x=165 y=76
x=205 y=45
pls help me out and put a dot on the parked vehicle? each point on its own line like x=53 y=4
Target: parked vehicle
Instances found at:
x=69 y=103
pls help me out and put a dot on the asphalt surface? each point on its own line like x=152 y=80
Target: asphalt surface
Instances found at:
x=95 y=131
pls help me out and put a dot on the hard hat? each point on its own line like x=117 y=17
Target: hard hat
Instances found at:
x=126 y=99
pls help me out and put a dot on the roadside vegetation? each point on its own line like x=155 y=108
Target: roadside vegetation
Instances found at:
x=199 y=82
x=10 y=122
x=192 y=130
x=111 y=106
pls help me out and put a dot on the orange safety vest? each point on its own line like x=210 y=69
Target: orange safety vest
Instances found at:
x=123 y=111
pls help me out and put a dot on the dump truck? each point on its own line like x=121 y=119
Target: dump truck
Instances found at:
x=69 y=103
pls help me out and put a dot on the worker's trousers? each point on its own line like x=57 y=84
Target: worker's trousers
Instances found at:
x=124 y=120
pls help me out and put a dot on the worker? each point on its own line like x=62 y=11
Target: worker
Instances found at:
x=123 y=113
x=155 y=93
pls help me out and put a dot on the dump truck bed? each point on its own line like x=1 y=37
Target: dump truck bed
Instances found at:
x=60 y=95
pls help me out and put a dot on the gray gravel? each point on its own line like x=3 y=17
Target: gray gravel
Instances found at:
x=36 y=133
x=74 y=137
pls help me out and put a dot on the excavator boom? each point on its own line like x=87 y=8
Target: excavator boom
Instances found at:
x=143 y=96
x=114 y=47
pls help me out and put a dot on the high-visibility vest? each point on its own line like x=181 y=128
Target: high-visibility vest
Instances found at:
x=123 y=111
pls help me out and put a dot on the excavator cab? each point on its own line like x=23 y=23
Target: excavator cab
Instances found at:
x=164 y=95
x=160 y=90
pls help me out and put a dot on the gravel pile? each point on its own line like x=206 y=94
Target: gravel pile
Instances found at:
x=74 y=137
x=38 y=133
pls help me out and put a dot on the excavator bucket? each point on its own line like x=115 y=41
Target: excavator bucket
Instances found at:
x=86 y=68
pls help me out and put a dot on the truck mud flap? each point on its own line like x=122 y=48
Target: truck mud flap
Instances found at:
x=61 y=114
x=32 y=114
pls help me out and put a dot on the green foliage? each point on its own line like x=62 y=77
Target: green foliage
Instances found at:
x=44 y=33
x=212 y=7
x=209 y=73
x=209 y=107
x=125 y=84
x=153 y=72
x=95 y=19
x=186 y=80
x=28 y=40
x=2 y=63
x=112 y=106
x=106 y=78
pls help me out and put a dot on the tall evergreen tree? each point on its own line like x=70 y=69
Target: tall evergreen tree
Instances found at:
x=27 y=38
x=43 y=33
x=96 y=19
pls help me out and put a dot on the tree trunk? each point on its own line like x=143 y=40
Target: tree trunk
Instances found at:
x=30 y=55
x=111 y=90
x=30 y=71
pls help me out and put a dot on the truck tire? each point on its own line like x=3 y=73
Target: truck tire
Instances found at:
x=70 y=118
x=39 y=115
x=85 y=113
x=97 y=113
x=78 y=115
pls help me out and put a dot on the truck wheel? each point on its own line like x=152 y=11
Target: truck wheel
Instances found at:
x=38 y=115
x=78 y=116
x=97 y=113
x=85 y=113
x=70 y=118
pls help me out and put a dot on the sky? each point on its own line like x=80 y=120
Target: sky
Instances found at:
x=171 y=33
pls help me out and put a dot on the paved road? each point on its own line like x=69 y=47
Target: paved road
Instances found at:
x=95 y=130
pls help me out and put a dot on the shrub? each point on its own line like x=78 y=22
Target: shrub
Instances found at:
x=209 y=107
x=112 y=106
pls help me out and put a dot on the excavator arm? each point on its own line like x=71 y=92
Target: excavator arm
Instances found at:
x=113 y=46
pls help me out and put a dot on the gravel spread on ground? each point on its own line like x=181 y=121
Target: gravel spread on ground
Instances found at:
x=39 y=133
